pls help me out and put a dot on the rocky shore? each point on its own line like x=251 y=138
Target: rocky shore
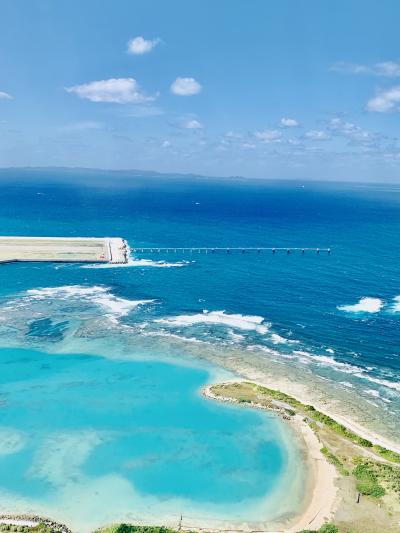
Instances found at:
x=33 y=519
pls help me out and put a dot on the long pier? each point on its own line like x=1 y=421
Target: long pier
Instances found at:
x=228 y=250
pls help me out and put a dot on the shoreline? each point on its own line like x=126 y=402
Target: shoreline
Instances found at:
x=320 y=506
x=350 y=424
x=302 y=392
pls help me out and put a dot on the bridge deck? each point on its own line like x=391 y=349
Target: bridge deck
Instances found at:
x=237 y=249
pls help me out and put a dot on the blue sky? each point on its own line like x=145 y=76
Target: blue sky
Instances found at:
x=306 y=89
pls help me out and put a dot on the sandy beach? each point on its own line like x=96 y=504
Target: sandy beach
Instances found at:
x=320 y=504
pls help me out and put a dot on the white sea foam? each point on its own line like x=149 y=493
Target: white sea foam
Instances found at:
x=140 y=263
x=277 y=339
x=395 y=308
x=364 y=305
x=162 y=333
x=347 y=384
x=394 y=385
x=347 y=368
x=372 y=392
x=238 y=321
x=236 y=337
x=96 y=294
x=66 y=291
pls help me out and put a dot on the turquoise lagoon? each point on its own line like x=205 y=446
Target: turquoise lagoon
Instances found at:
x=89 y=439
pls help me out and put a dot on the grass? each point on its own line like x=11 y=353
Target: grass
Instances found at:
x=335 y=461
x=385 y=475
x=246 y=392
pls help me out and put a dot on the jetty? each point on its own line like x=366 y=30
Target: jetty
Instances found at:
x=226 y=250
x=63 y=249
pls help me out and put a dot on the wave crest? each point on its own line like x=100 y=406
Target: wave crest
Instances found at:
x=366 y=304
x=238 y=321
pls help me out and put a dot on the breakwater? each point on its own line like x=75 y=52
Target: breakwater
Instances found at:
x=63 y=249
x=33 y=521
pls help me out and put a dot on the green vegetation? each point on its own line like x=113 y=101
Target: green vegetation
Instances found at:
x=384 y=474
x=335 y=461
x=335 y=426
x=367 y=481
x=40 y=528
x=326 y=528
x=245 y=392
x=125 y=528
x=387 y=454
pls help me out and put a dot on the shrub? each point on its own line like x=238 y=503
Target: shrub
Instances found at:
x=367 y=481
x=328 y=528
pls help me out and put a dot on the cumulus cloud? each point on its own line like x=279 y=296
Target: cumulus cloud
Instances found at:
x=268 y=136
x=185 y=86
x=289 y=122
x=139 y=45
x=389 y=69
x=385 y=101
x=317 y=135
x=114 y=90
x=5 y=96
x=193 y=125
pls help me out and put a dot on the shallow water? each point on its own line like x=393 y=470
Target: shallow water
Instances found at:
x=134 y=437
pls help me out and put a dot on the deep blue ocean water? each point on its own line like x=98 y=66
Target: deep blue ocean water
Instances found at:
x=326 y=324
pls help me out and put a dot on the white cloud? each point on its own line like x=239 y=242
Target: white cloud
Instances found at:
x=114 y=90
x=385 y=101
x=5 y=96
x=351 y=131
x=317 y=135
x=390 y=69
x=289 y=122
x=268 y=136
x=139 y=45
x=193 y=125
x=185 y=86
x=166 y=144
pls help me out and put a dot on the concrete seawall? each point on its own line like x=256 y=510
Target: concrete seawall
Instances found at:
x=63 y=249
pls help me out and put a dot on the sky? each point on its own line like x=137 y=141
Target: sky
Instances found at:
x=277 y=89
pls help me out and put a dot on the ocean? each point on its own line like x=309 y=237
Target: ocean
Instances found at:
x=101 y=365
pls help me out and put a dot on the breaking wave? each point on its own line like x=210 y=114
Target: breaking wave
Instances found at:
x=97 y=295
x=238 y=321
x=395 y=308
x=364 y=305
x=140 y=263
